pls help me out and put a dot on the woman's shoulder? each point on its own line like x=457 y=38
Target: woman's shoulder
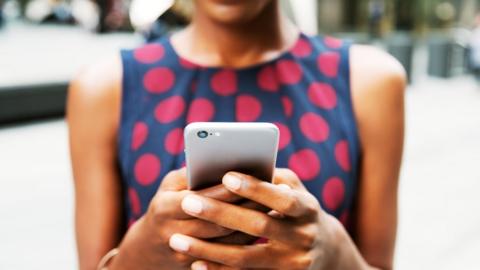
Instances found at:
x=373 y=70
x=378 y=83
x=94 y=94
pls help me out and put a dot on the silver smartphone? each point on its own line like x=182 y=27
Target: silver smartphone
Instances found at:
x=214 y=148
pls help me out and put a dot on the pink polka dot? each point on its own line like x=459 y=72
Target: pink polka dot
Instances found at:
x=193 y=86
x=322 y=95
x=289 y=72
x=344 y=218
x=305 y=163
x=187 y=64
x=224 y=82
x=248 y=108
x=267 y=79
x=134 y=201
x=287 y=106
x=302 y=48
x=158 y=80
x=131 y=222
x=201 y=110
x=333 y=193
x=174 y=141
x=332 y=42
x=285 y=135
x=149 y=53
x=139 y=135
x=147 y=168
x=314 y=127
x=328 y=63
x=169 y=109
x=342 y=155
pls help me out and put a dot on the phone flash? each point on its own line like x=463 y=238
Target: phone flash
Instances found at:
x=217 y=133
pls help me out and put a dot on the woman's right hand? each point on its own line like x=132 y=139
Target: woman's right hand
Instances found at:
x=145 y=245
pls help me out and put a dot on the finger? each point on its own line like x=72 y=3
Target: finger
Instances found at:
x=174 y=180
x=238 y=218
x=204 y=265
x=200 y=229
x=287 y=177
x=219 y=192
x=286 y=201
x=236 y=238
x=167 y=202
x=230 y=255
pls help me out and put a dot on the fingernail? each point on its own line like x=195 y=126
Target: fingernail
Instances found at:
x=284 y=186
x=199 y=266
x=192 y=205
x=232 y=182
x=179 y=242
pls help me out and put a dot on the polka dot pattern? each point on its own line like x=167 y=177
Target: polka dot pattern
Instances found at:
x=322 y=95
x=332 y=42
x=302 y=48
x=267 y=79
x=224 y=82
x=314 y=127
x=333 y=193
x=342 y=155
x=149 y=53
x=305 y=163
x=248 y=108
x=201 y=110
x=134 y=202
x=187 y=64
x=287 y=106
x=328 y=64
x=158 y=80
x=174 y=141
x=139 y=135
x=170 y=109
x=285 y=135
x=303 y=92
x=289 y=72
x=147 y=169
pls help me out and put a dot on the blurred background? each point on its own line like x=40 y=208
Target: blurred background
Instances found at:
x=43 y=43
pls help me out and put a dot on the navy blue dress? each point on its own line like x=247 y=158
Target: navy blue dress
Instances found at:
x=305 y=92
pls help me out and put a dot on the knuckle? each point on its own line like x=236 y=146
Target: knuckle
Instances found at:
x=182 y=259
x=305 y=262
x=262 y=227
x=238 y=261
x=156 y=210
x=308 y=238
x=290 y=204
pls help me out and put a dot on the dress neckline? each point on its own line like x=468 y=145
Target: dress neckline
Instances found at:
x=283 y=55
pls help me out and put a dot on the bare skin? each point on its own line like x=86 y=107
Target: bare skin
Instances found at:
x=377 y=83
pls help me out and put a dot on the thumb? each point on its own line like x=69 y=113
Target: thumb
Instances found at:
x=175 y=180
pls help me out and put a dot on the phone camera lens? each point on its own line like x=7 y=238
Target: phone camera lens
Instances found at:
x=202 y=134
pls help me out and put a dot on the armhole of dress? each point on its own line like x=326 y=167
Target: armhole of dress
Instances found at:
x=122 y=141
x=348 y=77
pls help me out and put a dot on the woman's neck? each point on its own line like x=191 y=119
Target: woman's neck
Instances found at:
x=210 y=43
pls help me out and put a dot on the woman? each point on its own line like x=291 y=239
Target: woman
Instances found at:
x=340 y=113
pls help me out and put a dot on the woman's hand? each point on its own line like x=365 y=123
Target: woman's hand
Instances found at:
x=301 y=235
x=145 y=245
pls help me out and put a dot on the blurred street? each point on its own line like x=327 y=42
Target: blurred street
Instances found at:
x=439 y=202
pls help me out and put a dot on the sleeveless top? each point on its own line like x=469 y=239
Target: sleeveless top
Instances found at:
x=305 y=91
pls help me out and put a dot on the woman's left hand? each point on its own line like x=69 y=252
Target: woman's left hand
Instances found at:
x=300 y=234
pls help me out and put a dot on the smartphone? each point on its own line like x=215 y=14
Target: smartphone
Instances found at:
x=214 y=148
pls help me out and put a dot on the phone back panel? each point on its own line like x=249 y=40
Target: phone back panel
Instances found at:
x=250 y=148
